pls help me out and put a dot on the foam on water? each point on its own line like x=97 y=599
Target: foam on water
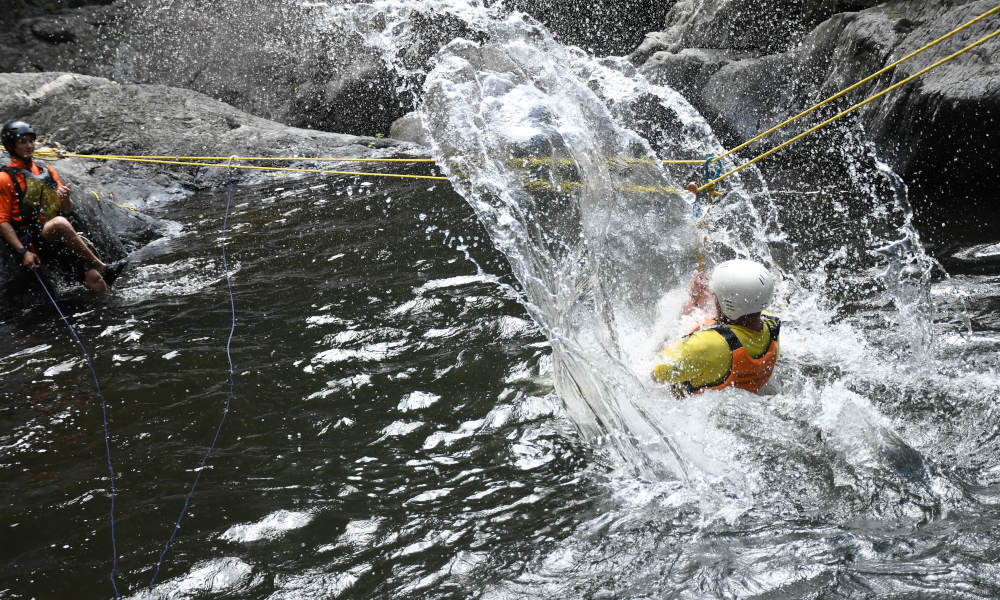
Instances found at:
x=556 y=152
x=446 y=434
x=270 y=527
x=220 y=576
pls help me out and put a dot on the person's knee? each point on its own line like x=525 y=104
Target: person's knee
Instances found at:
x=93 y=280
x=58 y=228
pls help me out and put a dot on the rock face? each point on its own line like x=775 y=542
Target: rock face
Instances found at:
x=289 y=62
x=285 y=62
x=745 y=64
x=90 y=115
x=938 y=133
x=602 y=27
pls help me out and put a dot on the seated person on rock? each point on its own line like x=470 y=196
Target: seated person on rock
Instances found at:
x=32 y=203
x=738 y=347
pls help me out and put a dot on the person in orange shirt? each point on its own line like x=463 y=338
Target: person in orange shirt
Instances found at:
x=33 y=202
x=739 y=346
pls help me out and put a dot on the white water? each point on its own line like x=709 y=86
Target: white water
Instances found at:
x=729 y=494
x=534 y=135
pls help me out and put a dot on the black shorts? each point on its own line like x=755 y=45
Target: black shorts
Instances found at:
x=59 y=256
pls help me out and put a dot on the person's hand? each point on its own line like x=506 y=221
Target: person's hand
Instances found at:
x=31 y=260
x=62 y=192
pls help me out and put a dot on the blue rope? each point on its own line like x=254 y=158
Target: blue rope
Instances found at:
x=107 y=442
x=229 y=397
x=718 y=169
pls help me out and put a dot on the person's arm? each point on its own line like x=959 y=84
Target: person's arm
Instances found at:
x=29 y=259
x=700 y=296
x=668 y=368
x=696 y=360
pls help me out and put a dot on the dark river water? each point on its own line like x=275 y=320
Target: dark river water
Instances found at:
x=395 y=433
x=442 y=391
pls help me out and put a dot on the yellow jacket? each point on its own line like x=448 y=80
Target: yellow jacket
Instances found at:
x=705 y=358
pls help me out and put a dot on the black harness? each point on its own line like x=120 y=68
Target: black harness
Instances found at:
x=773 y=329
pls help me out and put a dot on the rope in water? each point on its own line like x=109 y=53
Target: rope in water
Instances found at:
x=847 y=111
x=107 y=437
x=104 y=411
x=229 y=396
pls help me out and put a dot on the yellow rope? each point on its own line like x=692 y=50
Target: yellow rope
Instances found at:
x=535 y=161
x=51 y=152
x=978 y=42
x=259 y=168
x=569 y=186
x=858 y=84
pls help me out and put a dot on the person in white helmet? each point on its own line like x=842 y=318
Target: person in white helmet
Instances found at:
x=739 y=346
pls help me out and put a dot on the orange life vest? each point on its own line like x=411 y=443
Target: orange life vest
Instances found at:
x=746 y=372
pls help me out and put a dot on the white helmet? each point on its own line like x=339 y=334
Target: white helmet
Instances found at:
x=743 y=287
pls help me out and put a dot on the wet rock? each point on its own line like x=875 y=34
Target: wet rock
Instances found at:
x=602 y=27
x=289 y=62
x=90 y=115
x=409 y=128
x=688 y=70
x=64 y=40
x=285 y=62
x=746 y=84
x=764 y=26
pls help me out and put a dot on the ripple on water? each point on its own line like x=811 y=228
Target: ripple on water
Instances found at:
x=446 y=438
x=334 y=386
x=270 y=527
x=400 y=429
x=979 y=252
x=62 y=367
x=360 y=534
x=171 y=280
x=457 y=281
x=26 y=352
x=370 y=353
x=317 y=584
x=228 y=576
x=417 y=400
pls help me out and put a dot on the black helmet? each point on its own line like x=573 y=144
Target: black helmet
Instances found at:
x=12 y=131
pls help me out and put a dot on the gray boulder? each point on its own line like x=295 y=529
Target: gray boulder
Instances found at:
x=284 y=62
x=934 y=132
x=602 y=27
x=90 y=115
x=289 y=62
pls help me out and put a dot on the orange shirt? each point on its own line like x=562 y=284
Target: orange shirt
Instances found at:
x=10 y=210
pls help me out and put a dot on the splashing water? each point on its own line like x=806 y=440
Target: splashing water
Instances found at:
x=871 y=445
x=557 y=153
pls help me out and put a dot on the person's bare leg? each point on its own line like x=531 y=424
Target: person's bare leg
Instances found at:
x=60 y=230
